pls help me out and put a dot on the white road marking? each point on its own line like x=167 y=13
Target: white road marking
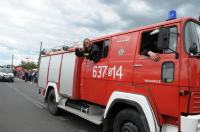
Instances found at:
x=32 y=100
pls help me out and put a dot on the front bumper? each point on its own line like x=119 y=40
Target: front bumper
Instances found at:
x=6 y=78
x=190 y=123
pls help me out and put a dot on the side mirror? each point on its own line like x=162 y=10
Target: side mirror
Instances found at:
x=163 y=38
x=193 y=49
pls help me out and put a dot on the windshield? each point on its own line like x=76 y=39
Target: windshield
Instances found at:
x=192 y=35
x=6 y=70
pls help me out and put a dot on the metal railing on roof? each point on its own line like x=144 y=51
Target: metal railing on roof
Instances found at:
x=70 y=47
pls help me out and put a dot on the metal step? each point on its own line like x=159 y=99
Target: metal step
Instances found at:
x=78 y=105
x=96 y=118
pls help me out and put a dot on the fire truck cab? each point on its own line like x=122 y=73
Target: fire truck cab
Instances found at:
x=127 y=91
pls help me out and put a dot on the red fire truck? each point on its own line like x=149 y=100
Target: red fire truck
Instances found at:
x=127 y=91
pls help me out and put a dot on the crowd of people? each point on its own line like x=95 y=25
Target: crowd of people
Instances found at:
x=28 y=75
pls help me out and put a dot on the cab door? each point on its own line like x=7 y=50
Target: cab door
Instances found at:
x=95 y=79
x=159 y=79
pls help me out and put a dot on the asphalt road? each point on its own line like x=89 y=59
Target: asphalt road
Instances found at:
x=22 y=110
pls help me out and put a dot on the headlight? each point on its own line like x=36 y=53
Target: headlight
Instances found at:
x=11 y=75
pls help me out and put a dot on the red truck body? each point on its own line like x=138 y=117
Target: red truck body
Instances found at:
x=125 y=69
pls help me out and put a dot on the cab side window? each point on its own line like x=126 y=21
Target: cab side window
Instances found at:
x=149 y=43
x=150 y=40
x=104 y=47
x=172 y=40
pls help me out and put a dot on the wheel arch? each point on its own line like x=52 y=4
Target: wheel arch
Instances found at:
x=119 y=105
x=51 y=86
x=139 y=103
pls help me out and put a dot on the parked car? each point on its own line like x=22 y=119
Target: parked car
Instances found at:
x=6 y=74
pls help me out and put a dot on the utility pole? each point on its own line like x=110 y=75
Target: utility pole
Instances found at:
x=12 y=62
x=39 y=61
x=40 y=54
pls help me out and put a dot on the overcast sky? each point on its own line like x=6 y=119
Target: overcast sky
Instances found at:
x=25 y=23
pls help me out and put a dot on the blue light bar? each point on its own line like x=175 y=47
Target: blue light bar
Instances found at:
x=171 y=15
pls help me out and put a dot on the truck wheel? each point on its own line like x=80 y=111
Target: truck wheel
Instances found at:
x=128 y=120
x=52 y=105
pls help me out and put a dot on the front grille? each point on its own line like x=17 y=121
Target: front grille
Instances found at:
x=195 y=102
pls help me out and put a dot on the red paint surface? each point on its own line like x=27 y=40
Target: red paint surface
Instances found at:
x=164 y=97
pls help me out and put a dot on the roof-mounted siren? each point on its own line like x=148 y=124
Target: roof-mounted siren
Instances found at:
x=172 y=15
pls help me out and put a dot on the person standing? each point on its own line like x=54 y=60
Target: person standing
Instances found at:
x=26 y=75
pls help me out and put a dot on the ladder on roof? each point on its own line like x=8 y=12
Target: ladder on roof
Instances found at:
x=63 y=48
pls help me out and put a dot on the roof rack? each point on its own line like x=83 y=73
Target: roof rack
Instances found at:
x=63 y=48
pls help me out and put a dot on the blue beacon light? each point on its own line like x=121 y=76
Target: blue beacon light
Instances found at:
x=171 y=15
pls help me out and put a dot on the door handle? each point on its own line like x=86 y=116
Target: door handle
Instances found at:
x=183 y=92
x=137 y=65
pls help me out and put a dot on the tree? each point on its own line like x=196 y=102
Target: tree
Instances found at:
x=28 y=65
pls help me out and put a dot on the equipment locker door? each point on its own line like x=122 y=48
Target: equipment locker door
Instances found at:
x=159 y=79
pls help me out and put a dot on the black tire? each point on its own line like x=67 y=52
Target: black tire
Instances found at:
x=52 y=105
x=128 y=120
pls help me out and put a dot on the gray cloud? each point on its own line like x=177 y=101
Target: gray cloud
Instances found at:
x=143 y=12
x=24 y=23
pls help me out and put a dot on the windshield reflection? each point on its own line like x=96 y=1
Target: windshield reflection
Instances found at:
x=6 y=70
x=192 y=35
